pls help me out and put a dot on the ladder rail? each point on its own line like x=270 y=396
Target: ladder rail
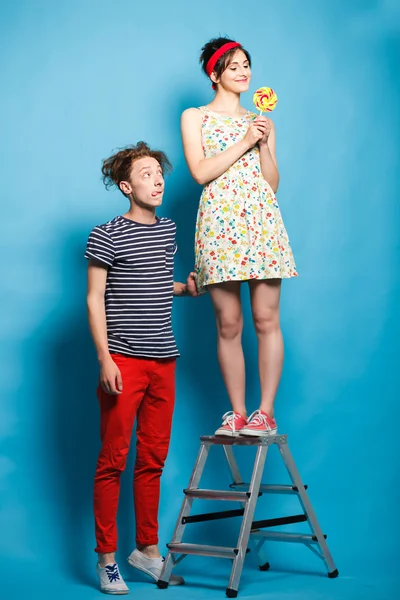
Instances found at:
x=250 y=508
x=306 y=505
x=238 y=483
x=184 y=512
x=233 y=466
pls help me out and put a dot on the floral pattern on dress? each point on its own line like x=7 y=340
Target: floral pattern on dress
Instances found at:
x=240 y=233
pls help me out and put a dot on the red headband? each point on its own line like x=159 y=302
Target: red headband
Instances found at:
x=217 y=55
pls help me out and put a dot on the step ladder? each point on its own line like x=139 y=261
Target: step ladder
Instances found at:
x=252 y=533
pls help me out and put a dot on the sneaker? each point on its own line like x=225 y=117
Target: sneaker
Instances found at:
x=232 y=423
x=111 y=581
x=260 y=424
x=152 y=567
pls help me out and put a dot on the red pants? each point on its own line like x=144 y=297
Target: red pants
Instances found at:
x=149 y=393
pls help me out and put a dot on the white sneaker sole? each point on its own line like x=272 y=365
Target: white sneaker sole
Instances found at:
x=227 y=433
x=114 y=593
x=140 y=567
x=251 y=433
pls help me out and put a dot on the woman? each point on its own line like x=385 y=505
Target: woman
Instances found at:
x=240 y=235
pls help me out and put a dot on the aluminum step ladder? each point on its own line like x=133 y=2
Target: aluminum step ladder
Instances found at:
x=252 y=533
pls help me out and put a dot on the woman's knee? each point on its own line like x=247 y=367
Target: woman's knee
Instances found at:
x=229 y=325
x=266 y=321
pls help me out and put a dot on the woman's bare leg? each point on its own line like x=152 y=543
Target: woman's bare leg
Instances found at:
x=228 y=312
x=265 y=298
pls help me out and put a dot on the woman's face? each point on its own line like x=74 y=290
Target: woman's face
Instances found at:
x=237 y=75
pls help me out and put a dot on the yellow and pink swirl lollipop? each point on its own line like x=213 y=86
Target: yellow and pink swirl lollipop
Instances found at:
x=265 y=99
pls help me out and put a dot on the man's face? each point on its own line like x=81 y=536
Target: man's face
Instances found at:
x=146 y=182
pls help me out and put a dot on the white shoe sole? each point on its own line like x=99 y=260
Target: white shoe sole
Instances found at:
x=140 y=567
x=250 y=433
x=114 y=593
x=227 y=433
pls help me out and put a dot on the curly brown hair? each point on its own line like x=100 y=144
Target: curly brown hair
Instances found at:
x=117 y=168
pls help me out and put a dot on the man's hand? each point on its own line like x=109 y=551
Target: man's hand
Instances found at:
x=110 y=377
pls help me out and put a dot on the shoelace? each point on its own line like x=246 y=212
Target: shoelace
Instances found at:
x=229 y=419
x=257 y=418
x=112 y=572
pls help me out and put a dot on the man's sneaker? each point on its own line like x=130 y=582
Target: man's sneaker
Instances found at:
x=232 y=424
x=260 y=424
x=152 y=567
x=111 y=581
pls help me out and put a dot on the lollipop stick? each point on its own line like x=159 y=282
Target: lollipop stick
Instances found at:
x=261 y=112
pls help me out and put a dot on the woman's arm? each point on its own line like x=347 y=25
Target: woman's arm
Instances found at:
x=203 y=169
x=267 y=145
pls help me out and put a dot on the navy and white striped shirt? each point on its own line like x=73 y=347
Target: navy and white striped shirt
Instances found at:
x=140 y=285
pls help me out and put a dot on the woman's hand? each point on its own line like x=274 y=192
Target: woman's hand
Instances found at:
x=186 y=289
x=264 y=125
x=254 y=134
x=191 y=285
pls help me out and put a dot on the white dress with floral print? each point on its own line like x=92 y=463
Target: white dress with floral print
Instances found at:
x=240 y=234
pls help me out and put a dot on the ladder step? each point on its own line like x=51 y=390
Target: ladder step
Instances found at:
x=218 y=495
x=244 y=441
x=279 y=521
x=281 y=536
x=216 y=551
x=269 y=489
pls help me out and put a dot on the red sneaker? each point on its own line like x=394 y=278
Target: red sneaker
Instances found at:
x=232 y=423
x=260 y=424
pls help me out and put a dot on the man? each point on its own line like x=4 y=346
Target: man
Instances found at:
x=130 y=292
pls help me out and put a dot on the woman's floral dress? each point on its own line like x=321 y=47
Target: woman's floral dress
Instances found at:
x=240 y=233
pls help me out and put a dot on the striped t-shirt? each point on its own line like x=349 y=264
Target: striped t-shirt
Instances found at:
x=140 y=284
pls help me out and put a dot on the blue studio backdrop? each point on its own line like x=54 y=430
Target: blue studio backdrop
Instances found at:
x=80 y=79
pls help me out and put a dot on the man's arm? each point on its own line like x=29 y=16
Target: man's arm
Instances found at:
x=180 y=289
x=110 y=376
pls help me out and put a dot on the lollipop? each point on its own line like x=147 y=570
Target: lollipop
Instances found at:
x=265 y=99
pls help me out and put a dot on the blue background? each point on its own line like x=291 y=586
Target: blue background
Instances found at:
x=80 y=79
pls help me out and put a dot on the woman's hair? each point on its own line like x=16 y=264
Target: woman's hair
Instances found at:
x=118 y=167
x=211 y=47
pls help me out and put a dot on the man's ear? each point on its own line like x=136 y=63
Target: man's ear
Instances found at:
x=125 y=188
